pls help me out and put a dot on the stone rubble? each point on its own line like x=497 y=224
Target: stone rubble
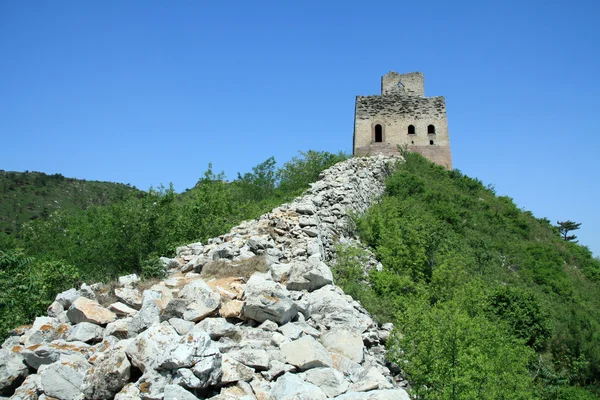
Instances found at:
x=285 y=332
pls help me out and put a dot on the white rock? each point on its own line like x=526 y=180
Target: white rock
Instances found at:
x=109 y=375
x=129 y=392
x=327 y=306
x=189 y=350
x=29 y=389
x=122 y=310
x=345 y=342
x=290 y=386
x=130 y=296
x=67 y=297
x=147 y=349
x=64 y=378
x=331 y=381
x=233 y=371
x=118 y=329
x=129 y=280
x=254 y=358
x=306 y=353
x=175 y=392
x=86 y=332
x=12 y=370
x=196 y=301
x=86 y=310
x=216 y=328
x=181 y=325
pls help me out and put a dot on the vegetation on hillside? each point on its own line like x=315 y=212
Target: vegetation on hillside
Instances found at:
x=27 y=196
x=103 y=242
x=489 y=302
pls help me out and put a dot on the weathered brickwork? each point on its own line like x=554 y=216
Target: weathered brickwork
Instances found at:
x=401 y=115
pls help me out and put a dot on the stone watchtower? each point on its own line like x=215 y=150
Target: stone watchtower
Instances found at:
x=402 y=115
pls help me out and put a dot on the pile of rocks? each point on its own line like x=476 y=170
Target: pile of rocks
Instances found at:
x=286 y=332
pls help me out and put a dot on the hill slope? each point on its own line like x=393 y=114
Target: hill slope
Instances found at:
x=488 y=299
x=27 y=196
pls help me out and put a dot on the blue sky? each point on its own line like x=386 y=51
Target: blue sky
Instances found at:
x=149 y=92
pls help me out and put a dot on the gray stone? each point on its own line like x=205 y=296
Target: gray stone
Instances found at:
x=345 y=342
x=147 y=349
x=293 y=387
x=233 y=371
x=45 y=329
x=29 y=389
x=170 y=263
x=175 y=392
x=130 y=296
x=149 y=313
x=222 y=251
x=328 y=306
x=109 y=375
x=371 y=379
x=129 y=280
x=309 y=276
x=311 y=231
x=331 y=381
x=306 y=353
x=86 y=332
x=12 y=370
x=118 y=329
x=86 y=310
x=276 y=369
x=181 y=325
x=257 y=359
x=64 y=378
x=305 y=208
x=55 y=309
x=217 y=328
x=257 y=243
x=152 y=385
x=122 y=310
x=196 y=301
x=189 y=350
x=280 y=272
x=129 y=392
x=87 y=291
x=267 y=300
x=67 y=297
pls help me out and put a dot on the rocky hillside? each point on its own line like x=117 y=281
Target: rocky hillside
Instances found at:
x=252 y=314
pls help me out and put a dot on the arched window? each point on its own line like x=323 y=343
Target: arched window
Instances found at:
x=431 y=129
x=378 y=133
x=411 y=129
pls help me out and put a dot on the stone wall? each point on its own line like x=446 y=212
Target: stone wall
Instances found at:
x=282 y=332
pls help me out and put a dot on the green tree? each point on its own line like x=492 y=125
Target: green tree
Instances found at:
x=564 y=227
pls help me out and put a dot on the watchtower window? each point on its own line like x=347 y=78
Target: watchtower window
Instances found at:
x=431 y=129
x=431 y=142
x=378 y=133
x=411 y=129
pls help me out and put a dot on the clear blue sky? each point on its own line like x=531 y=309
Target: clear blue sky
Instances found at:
x=149 y=92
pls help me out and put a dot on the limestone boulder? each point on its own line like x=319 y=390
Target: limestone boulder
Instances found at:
x=122 y=310
x=111 y=372
x=268 y=300
x=331 y=381
x=67 y=297
x=258 y=359
x=129 y=392
x=233 y=371
x=85 y=332
x=147 y=349
x=191 y=348
x=310 y=275
x=306 y=353
x=130 y=296
x=86 y=310
x=176 y=392
x=44 y=330
x=196 y=301
x=329 y=307
x=129 y=280
x=12 y=371
x=30 y=389
x=293 y=387
x=344 y=342
x=63 y=379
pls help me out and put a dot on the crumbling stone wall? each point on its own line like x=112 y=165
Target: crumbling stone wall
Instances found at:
x=400 y=105
x=286 y=332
